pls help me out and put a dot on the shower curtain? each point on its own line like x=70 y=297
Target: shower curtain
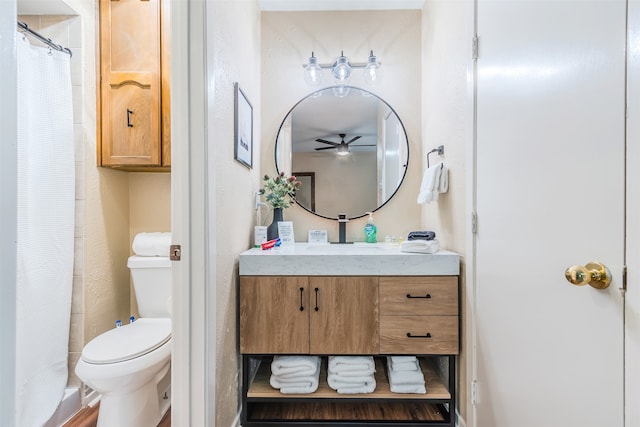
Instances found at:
x=46 y=201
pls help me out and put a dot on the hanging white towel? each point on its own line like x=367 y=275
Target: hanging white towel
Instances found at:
x=434 y=181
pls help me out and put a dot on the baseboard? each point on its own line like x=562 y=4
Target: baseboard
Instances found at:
x=460 y=422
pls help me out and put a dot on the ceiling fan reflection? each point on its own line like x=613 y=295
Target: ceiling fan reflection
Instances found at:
x=341 y=147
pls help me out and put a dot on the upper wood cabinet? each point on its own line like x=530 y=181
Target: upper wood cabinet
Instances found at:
x=134 y=116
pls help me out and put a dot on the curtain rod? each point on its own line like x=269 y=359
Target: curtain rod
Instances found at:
x=43 y=39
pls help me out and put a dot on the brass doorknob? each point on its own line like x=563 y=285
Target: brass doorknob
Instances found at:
x=594 y=274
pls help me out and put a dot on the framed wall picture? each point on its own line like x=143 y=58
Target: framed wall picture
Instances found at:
x=243 y=151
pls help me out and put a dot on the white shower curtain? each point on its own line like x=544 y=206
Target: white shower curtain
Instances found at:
x=46 y=198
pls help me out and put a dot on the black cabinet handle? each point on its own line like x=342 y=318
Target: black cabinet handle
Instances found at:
x=129 y=113
x=316 y=289
x=301 y=305
x=427 y=296
x=428 y=335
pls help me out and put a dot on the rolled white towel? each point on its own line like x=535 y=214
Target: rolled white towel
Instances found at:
x=340 y=364
x=295 y=366
x=152 y=244
x=340 y=379
x=342 y=387
x=301 y=385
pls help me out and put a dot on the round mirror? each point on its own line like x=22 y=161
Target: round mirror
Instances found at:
x=349 y=149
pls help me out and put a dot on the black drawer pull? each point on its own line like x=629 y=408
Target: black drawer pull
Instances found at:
x=419 y=336
x=129 y=113
x=316 y=309
x=301 y=305
x=427 y=296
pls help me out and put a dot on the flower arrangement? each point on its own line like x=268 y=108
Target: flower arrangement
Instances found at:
x=280 y=190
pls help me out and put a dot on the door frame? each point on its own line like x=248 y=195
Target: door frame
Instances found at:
x=193 y=218
x=632 y=295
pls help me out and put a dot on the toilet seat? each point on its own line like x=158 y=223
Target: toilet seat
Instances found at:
x=128 y=342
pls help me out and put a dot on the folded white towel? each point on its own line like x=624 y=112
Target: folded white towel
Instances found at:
x=340 y=364
x=411 y=381
x=409 y=365
x=402 y=359
x=435 y=180
x=406 y=377
x=408 y=388
x=420 y=246
x=342 y=387
x=340 y=379
x=347 y=373
x=297 y=382
x=300 y=385
x=152 y=244
x=295 y=366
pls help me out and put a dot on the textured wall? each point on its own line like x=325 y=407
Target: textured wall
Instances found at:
x=447 y=120
x=287 y=41
x=235 y=41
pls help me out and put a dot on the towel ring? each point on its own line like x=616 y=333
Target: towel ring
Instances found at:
x=439 y=150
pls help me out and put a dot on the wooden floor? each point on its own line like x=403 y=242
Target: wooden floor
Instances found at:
x=88 y=417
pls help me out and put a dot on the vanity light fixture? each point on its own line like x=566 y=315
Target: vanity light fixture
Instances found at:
x=341 y=70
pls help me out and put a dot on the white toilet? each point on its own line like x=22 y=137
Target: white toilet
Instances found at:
x=130 y=365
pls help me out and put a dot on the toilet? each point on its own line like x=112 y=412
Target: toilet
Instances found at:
x=130 y=365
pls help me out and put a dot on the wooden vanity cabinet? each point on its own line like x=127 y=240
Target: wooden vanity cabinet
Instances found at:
x=134 y=117
x=308 y=315
x=358 y=315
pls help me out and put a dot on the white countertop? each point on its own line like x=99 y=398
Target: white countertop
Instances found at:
x=358 y=259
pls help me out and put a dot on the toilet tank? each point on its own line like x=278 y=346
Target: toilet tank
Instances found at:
x=151 y=277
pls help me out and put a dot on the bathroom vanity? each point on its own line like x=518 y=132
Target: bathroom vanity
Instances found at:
x=361 y=299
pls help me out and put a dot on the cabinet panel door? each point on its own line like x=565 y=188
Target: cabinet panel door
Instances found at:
x=130 y=82
x=344 y=315
x=274 y=315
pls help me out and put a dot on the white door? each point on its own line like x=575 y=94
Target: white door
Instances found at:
x=550 y=194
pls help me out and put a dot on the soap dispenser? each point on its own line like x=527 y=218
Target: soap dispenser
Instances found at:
x=370 y=230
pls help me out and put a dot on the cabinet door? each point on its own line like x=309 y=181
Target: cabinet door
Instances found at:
x=344 y=315
x=274 y=315
x=130 y=82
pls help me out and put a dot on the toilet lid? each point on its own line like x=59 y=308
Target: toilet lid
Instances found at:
x=128 y=341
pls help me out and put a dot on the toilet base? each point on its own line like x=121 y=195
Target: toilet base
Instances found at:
x=143 y=407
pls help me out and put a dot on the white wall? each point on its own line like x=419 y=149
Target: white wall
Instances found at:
x=287 y=41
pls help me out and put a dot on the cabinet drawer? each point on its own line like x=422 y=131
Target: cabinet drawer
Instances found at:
x=418 y=296
x=419 y=335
